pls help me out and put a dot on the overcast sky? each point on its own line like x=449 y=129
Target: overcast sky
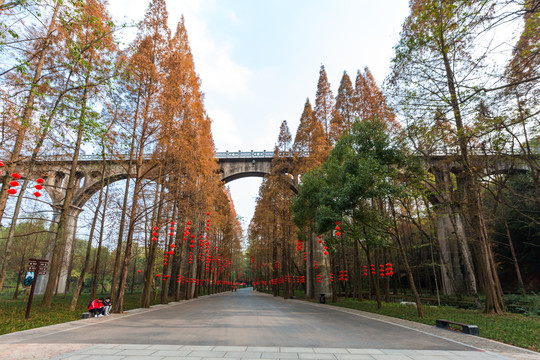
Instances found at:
x=259 y=60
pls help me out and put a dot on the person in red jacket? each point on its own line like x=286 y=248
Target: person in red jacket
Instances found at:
x=96 y=308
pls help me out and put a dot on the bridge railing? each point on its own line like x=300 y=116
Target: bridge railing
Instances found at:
x=262 y=155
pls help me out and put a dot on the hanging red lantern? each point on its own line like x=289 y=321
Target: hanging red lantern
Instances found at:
x=155 y=227
x=192 y=246
x=172 y=222
x=158 y=275
x=164 y=264
x=16 y=176
x=207 y=228
x=184 y=239
x=171 y=233
x=172 y=245
x=12 y=191
x=337 y=222
x=1 y=164
x=193 y=236
x=171 y=228
x=14 y=183
x=40 y=181
x=338 y=233
x=37 y=194
x=154 y=233
x=154 y=239
x=138 y=271
x=188 y=223
x=39 y=187
x=326 y=248
x=208 y=214
x=338 y=228
x=326 y=253
x=171 y=252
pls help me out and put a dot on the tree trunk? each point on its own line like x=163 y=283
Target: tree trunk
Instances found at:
x=88 y=249
x=61 y=235
x=95 y=275
x=397 y=237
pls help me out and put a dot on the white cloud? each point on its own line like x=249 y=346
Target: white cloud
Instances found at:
x=225 y=130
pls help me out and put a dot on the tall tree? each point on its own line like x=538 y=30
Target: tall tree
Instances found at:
x=324 y=102
x=431 y=71
x=344 y=113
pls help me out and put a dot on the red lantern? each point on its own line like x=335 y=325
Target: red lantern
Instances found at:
x=171 y=233
x=37 y=194
x=40 y=181
x=171 y=228
x=338 y=233
x=338 y=228
x=154 y=233
x=207 y=228
x=14 y=183
x=138 y=271
x=154 y=239
x=173 y=246
x=171 y=252
x=326 y=253
x=12 y=191
x=39 y=187
x=155 y=227
x=1 y=164
x=158 y=275
x=207 y=214
x=337 y=222
x=172 y=222
x=188 y=223
x=16 y=176
x=193 y=236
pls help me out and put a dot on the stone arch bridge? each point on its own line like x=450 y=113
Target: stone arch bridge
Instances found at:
x=55 y=171
x=233 y=165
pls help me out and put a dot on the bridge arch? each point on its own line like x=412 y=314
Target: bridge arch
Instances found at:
x=243 y=164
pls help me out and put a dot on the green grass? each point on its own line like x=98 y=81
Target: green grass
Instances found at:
x=515 y=329
x=12 y=311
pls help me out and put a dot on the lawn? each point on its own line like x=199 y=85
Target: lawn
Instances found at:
x=515 y=329
x=12 y=312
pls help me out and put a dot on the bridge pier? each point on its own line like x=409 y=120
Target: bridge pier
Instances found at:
x=67 y=259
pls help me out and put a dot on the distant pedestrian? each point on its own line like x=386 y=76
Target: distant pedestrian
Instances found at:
x=96 y=308
x=107 y=306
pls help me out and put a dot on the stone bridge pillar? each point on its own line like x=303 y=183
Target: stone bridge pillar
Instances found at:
x=71 y=231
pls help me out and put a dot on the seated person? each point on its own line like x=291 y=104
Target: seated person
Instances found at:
x=107 y=306
x=96 y=308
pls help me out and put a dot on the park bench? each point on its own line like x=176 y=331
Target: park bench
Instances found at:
x=465 y=328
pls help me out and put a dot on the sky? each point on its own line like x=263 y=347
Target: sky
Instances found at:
x=259 y=60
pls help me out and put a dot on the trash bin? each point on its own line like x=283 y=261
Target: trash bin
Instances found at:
x=322 y=299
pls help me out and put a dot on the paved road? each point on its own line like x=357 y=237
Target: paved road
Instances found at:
x=243 y=321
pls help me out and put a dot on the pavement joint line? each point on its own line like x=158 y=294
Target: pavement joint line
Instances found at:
x=138 y=312
x=337 y=308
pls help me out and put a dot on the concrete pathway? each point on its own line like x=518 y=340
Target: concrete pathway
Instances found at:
x=250 y=325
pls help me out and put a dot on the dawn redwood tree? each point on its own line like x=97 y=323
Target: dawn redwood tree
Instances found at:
x=324 y=104
x=309 y=142
x=145 y=69
x=344 y=113
x=43 y=44
x=431 y=71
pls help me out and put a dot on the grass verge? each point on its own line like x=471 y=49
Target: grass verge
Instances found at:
x=12 y=312
x=514 y=329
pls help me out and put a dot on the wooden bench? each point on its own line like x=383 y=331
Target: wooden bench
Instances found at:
x=465 y=328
